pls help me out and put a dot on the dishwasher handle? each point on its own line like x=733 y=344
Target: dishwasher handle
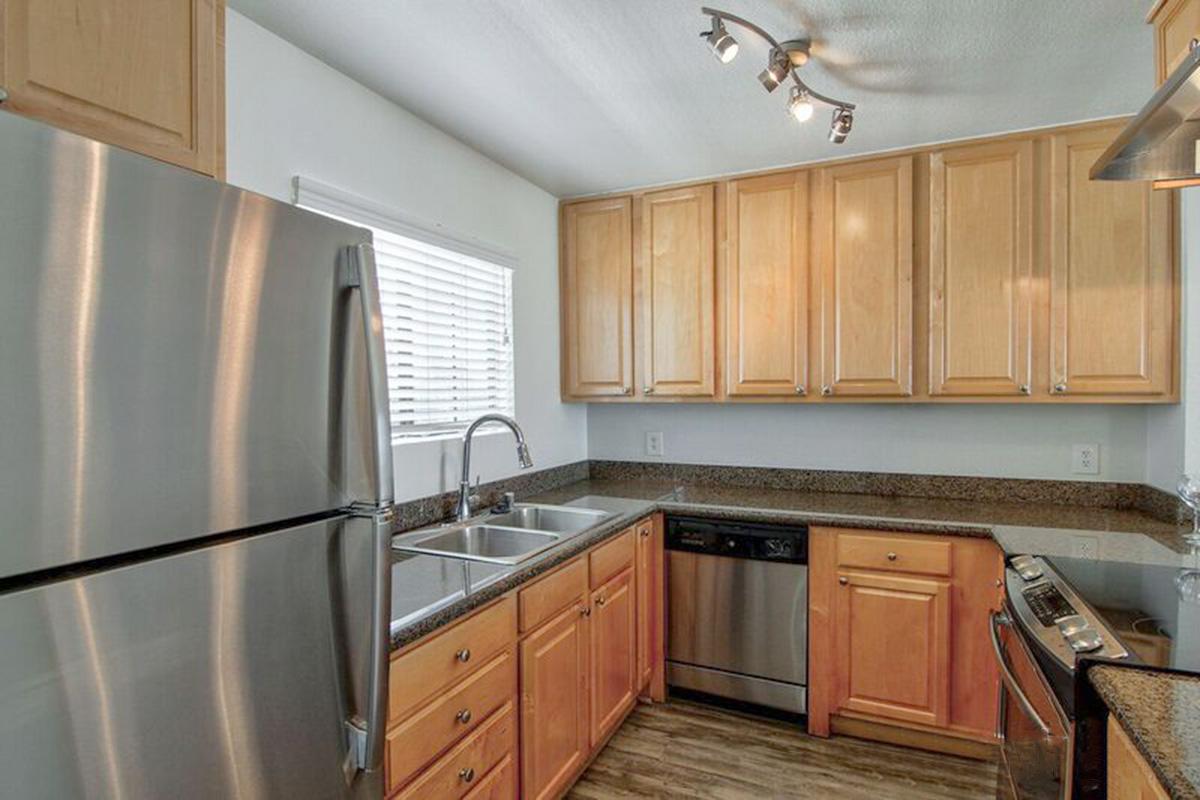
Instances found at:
x=995 y=620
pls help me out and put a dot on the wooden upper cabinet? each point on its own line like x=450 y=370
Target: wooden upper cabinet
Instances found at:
x=146 y=75
x=892 y=646
x=1176 y=23
x=863 y=232
x=980 y=269
x=597 y=298
x=1111 y=277
x=675 y=293
x=766 y=285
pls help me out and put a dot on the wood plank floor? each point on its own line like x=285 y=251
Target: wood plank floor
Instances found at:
x=685 y=750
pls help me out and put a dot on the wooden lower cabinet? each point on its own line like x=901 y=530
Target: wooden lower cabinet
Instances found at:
x=554 y=702
x=613 y=655
x=650 y=578
x=898 y=634
x=561 y=660
x=892 y=640
x=1129 y=776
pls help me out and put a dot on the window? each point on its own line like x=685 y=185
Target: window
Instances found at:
x=447 y=314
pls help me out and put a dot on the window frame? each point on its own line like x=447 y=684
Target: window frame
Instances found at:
x=323 y=198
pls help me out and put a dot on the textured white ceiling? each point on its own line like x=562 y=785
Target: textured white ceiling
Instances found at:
x=585 y=96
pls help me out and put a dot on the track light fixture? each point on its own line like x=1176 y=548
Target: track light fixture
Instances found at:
x=782 y=62
x=799 y=106
x=724 y=46
x=776 y=72
x=839 y=126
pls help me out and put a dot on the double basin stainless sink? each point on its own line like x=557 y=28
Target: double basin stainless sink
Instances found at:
x=505 y=538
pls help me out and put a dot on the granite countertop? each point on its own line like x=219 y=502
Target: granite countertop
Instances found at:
x=1161 y=713
x=429 y=592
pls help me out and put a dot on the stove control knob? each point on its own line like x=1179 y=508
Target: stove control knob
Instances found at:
x=1085 y=641
x=1071 y=624
x=1027 y=567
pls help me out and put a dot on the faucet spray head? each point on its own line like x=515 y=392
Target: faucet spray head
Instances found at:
x=523 y=455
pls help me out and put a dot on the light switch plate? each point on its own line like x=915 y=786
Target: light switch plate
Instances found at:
x=654 y=443
x=1085 y=459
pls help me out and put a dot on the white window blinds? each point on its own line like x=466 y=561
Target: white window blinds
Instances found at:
x=447 y=313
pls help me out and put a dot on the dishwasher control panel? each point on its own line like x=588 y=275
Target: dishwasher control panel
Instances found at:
x=753 y=540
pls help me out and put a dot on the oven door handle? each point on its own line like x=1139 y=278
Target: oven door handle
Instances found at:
x=996 y=619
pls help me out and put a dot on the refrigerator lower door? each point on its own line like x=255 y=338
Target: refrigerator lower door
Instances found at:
x=229 y=671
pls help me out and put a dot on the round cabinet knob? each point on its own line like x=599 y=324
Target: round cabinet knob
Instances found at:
x=647 y=390
x=843 y=580
x=1059 y=388
x=1023 y=388
x=891 y=556
x=627 y=390
x=601 y=600
x=466 y=775
x=826 y=391
x=800 y=390
x=4 y=93
x=584 y=611
x=463 y=655
x=463 y=716
x=645 y=532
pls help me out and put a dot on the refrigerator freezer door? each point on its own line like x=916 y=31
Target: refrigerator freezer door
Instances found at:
x=179 y=357
x=229 y=671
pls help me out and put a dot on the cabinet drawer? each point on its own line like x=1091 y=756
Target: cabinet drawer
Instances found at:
x=499 y=784
x=547 y=596
x=611 y=558
x=420 y=738
x=424 y=671
x=459 y=771
x=924 y=554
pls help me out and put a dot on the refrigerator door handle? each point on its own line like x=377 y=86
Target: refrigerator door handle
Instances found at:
x=365 y=732
x=360 y=274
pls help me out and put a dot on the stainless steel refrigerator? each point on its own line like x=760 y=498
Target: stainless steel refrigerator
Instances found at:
x=195 y=485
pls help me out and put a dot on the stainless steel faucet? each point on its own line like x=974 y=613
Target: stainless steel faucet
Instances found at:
x=464 y=487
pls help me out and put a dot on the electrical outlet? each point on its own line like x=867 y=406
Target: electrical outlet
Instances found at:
x=1085 y=459
x=1085 y=547
x=654 y=443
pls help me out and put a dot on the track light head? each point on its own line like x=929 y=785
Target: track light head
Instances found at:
x=724 y=46
x=839 y=126
x=778 y=67
x=799 y=105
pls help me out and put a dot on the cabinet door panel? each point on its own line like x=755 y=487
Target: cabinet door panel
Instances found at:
x=864 y=243
x=554 y=703
x=142 y=74
x=1111 y=277
x=893 y=647
x=597 y=298
x=980 y=269
x=766 y=285
x=676 y=293
x=649 y=602
x=613 y=654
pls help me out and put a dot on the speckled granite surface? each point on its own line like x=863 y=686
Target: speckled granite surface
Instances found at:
x=422 y=603
x=1161 y=713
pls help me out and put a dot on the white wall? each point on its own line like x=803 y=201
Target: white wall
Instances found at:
x=1173 y=432
x=996 y=440
x=289 y=114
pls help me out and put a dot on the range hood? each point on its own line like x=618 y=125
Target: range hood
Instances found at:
x=1162 y=143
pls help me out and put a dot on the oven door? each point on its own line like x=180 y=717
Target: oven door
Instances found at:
x=1033 y=728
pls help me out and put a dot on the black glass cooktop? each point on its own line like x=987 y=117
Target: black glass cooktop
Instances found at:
x=1141 y=603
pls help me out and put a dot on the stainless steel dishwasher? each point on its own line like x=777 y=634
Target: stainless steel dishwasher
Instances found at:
x=737 y=610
